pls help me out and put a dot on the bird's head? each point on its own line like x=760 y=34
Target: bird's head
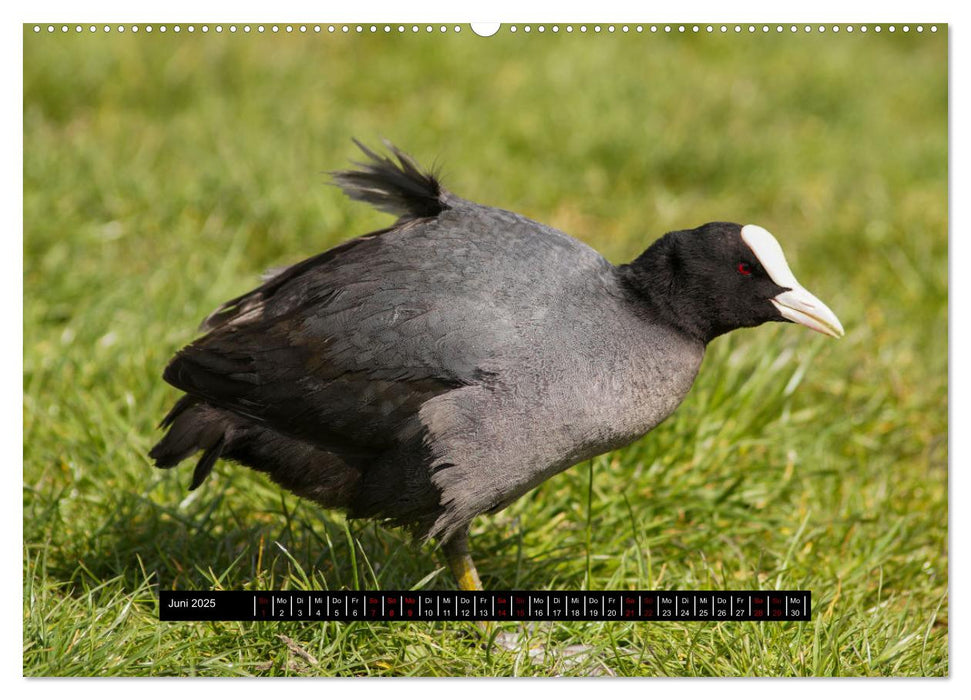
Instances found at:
x=723 y=276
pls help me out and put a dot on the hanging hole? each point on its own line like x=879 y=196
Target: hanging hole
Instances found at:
x=485 y=28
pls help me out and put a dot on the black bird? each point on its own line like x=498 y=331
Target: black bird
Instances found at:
x=441 y=368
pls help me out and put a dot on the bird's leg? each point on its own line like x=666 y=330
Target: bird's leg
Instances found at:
x=460 y=561
x=463 y=568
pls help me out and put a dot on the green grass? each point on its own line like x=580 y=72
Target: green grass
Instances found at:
x=162 y=173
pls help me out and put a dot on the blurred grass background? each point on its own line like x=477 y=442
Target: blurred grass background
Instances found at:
x=164 y=172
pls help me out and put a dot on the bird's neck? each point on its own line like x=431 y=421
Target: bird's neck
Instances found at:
x=661 y=289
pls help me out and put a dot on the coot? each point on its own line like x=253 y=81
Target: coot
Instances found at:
x=441 y=368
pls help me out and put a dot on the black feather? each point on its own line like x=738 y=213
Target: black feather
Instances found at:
x=234 y=309
x=401 y=187
x=180 y=406
x=206 y=462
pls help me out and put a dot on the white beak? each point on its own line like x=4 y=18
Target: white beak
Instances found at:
x=799 y=306
x=796 y=304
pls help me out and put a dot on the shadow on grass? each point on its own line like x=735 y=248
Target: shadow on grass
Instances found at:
x=231 y=540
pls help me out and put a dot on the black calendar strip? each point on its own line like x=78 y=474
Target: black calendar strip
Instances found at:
x=432 y=606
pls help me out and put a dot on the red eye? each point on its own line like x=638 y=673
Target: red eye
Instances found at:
x=744 y=268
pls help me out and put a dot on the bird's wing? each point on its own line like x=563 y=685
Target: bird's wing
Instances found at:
x=342 y=349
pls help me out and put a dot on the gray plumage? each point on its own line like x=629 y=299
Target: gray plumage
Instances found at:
x=441 y=368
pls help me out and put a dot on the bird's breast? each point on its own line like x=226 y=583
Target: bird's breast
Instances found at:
x=611 y=405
